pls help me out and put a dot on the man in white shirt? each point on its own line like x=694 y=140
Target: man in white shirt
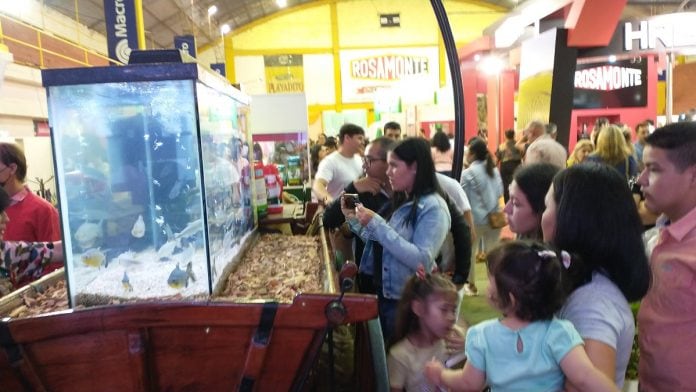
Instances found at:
x=340 y=167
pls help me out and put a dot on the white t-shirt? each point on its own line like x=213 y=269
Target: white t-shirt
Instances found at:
x=599 y=311
x=339 y=171
x=455 y=192
x=406 y=364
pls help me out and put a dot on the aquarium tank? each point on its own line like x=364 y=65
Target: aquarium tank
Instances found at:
x=153 y=178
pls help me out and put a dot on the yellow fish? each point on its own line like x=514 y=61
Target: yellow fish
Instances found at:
x=126 y=282
x=94 y=258
x=179 y=278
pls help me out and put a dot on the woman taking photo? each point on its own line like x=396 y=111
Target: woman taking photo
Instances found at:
x=483 y=186
x=526 y=205
x=410 y=231
x=590 y=213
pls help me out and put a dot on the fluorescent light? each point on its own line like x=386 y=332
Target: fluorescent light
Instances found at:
x=612 y=58
x=282 y=3
x=224 y=29
x=212 y=10
x=491 y=65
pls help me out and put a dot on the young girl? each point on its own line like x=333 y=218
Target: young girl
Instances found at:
x=527 y=349
x=426 y=315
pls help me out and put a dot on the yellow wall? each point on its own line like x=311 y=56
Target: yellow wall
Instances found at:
x=308 y=29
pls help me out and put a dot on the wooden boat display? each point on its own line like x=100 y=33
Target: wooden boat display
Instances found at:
x=167 y=345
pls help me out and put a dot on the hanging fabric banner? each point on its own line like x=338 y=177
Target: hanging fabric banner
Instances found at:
x=121 y=31
x=284 y=73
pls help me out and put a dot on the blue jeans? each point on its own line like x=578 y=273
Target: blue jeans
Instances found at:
x=387 y=315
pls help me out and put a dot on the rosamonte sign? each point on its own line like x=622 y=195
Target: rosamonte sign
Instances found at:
x=609 y=85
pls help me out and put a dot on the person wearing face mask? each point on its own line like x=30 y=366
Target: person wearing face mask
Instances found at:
x=31 y=217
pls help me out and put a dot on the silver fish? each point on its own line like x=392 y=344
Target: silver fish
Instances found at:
x=89 y=235
x=190 y=229
x=138 y=230
x=167 y=249
x=179 y=278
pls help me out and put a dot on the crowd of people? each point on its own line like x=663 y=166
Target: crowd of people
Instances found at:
x=564 y=286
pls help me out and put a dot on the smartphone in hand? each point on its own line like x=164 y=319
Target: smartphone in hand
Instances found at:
x=350 y=200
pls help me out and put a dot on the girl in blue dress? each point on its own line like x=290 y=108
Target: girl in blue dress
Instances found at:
x=528 y=349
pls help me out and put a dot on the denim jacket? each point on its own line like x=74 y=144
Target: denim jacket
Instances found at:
x=405 y=246
x=482 y=190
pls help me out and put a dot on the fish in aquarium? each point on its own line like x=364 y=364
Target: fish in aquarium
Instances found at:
x=179 y=278
x=128 y=258
x=190 y=229
x=166 y=250
x=138 y=230
x=126 y=282
x=89 y=235
x=94 y=258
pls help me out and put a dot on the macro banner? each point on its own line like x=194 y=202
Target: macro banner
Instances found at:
x=186 y=43
x=284 y=74
x=121 y=31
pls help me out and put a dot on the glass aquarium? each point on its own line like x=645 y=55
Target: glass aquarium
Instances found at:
x=153 y=178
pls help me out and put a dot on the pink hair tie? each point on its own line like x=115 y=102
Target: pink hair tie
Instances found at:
x=565 y=259
x=420 y=272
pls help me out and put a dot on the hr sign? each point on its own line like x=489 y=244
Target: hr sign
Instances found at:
x=665 y=31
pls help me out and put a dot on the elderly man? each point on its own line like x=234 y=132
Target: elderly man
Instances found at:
x=541 y=147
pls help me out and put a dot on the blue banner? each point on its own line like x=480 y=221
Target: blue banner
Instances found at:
x=219 y=68
x=187 y=43
x=121 y=32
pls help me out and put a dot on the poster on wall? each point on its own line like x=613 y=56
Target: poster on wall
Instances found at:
x=611 y=85
x=284 y=73
x=536 y=77
x=363 y=72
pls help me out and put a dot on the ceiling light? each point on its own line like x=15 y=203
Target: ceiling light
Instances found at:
x=212 y=10
x=477 y=57
x=612 y=58
x=224 y=29
x=282 y=3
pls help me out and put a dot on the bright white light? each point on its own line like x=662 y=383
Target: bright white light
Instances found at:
x=282 y=3
x=612 y=58
x=16 y=8
x=477 y=57
x=212 y=10
x=491 y=65
x=224 y=29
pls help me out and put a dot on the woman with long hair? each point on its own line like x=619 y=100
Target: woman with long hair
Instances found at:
x=410 y=231
x=582 y=149
x=484 y=187
x=612 y=150
x=590 y=212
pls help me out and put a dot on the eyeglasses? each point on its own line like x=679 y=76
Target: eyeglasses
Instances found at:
x=368 y=160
